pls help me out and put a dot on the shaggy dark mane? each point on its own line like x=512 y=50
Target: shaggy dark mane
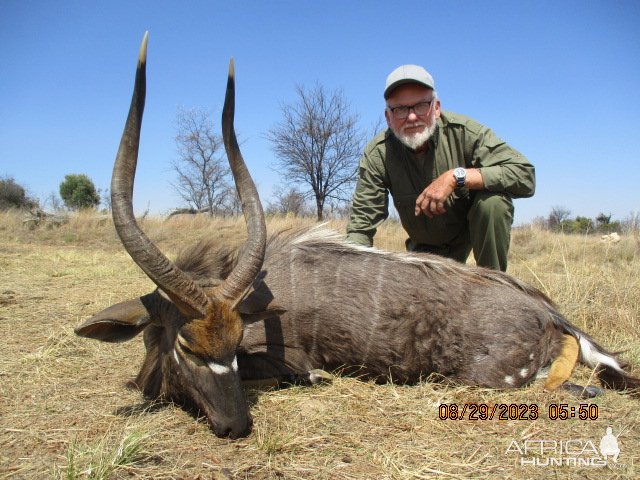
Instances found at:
x=206 y=260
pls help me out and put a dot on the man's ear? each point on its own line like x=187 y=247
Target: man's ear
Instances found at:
x=117 y=323
x=436 y=113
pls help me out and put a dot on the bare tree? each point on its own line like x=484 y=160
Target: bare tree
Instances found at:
x=287 y=201
x=318 y=144
x=557 y=215
x=231 y=205
x=105 y=197
x=603 y=219
x=201 y=170
x=54 y=202
x=631 y=224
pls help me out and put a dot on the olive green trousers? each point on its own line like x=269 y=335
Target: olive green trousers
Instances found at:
x=488 y=233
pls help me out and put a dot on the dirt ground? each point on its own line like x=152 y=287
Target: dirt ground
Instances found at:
x=65 y=412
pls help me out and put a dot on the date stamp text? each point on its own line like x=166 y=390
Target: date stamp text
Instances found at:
x=516 y=411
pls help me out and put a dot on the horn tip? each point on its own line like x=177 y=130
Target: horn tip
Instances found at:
x=232 y=68
x=142 y=56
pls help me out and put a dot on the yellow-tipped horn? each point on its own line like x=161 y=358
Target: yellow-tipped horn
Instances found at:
x=252 y=256
x=142 y=54
x=232 y=68
x=183 y=291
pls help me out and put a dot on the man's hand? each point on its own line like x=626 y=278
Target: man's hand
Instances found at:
x=431 y=200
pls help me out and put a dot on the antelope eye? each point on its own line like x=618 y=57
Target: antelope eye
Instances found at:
x=188 y=354
x=185 y=349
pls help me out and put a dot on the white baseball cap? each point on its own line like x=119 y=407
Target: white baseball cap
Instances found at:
x=408 y=74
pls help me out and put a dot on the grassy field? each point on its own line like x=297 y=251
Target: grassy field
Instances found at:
x=65 y=413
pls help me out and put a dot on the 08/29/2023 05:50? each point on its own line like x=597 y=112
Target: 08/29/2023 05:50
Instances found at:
x=515 y=411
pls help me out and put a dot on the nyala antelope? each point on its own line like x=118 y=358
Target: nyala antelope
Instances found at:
x=282 y=307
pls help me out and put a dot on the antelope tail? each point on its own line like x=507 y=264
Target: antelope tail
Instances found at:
x=609 y=369
x=576 y=343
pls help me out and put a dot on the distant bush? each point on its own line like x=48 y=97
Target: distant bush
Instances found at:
x=577 y=225
x=559 y=220
x=78 y=192
x=14 y=195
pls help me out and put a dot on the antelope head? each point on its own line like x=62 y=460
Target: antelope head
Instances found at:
x=191 y=332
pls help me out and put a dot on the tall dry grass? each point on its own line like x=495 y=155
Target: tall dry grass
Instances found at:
x=64 y=412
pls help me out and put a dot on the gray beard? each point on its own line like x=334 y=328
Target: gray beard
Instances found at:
x=415 y=141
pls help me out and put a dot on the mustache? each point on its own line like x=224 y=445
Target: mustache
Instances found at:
x=414 y=140
x=414 y=125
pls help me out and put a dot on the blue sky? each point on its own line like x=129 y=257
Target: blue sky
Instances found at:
x=558 y=80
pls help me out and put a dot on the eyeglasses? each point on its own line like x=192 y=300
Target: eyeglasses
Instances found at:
x=402 y=111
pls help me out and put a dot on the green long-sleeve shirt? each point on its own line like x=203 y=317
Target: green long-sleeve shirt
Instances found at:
x=387 y=166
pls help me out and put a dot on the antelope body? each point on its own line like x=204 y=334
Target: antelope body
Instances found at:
x=306 y=300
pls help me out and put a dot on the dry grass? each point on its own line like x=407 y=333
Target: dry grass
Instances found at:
x=64 y=412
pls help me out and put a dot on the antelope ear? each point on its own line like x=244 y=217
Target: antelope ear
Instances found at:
x=259 y=305
x=272 y=311
x=117 y=323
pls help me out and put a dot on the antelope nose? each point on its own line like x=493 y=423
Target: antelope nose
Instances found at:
x=244 y=431
x=234 y=430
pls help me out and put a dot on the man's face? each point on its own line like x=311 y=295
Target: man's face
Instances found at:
x=416 y=128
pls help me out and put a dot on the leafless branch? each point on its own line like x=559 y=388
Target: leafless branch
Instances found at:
x=318 y=144
x=202 y=174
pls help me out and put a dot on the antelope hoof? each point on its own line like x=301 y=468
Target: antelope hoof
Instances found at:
x=132 y=385
x=319 y=376
x=590 y=391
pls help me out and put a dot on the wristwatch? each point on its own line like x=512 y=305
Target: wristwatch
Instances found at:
x=460 y=174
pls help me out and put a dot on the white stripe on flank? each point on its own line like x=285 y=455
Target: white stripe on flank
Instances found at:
x=592 y=357
x=375 y=295
x=315 y=323
x=175 y=355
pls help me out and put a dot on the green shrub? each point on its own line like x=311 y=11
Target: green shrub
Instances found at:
x=14 y=195
x=78 y=192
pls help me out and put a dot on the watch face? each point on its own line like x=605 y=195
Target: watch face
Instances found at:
x=460 y=174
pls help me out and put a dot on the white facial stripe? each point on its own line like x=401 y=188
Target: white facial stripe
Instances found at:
x=175 y=355
x=234 y=364
x=219 y=369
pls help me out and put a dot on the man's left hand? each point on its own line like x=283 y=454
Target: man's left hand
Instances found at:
x=432 y=199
